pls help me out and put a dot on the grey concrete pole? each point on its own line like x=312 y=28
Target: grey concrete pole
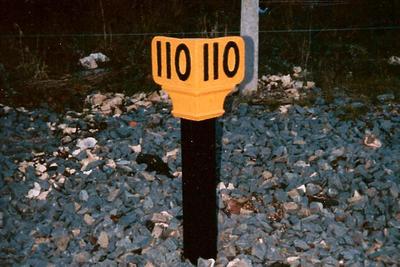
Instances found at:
x=249 y=31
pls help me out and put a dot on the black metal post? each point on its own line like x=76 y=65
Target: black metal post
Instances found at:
x=200 y=226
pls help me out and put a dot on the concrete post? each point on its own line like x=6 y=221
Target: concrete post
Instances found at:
x=249 y=31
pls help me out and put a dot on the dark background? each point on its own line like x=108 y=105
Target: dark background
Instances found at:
x=41 y=42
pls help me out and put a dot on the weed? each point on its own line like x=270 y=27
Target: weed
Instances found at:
x=32 y=68
x=352 y=113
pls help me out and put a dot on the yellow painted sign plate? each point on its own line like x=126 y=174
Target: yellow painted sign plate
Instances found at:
x=198 y=73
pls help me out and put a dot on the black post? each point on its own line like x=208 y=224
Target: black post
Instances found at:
x=200 y=226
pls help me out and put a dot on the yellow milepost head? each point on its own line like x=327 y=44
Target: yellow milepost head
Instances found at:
x=198 y=73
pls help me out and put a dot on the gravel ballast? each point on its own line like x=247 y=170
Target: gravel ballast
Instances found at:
x=299 y=186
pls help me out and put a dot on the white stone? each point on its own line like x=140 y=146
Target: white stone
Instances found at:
x=310 y=85
x=292 y=260
x=76 y=232
x=267 y=175
x=24 y=165
x=298 y=84
x=88 y=160
x=299 y=142
x=35 y=191
x=40 y=168
x=171 y=153
x=88 y=219
x=239 y=263
x=393 y=60
x=302 y=188
x=86 y=143
x=88 y=63
x=62 y=126
x=154 y=97
x=83 y=195
x=146 y=104
x=372 y=141
x=115 y=101
x=297 y=69
x=76 y=152
x=274 y=78
x=205 y=263
x=103 y=239
x=286 y=81
x=162 y=217
x=157 y=230
x=357 y=197
x=117 y=112
x=293 y=92
x=137 y=149
x=53 y=165
x=70 y=171
x=284 y=109
x=69 y=130
x=148 y=176
x=105 y=108
x=131 y=107
x=62 y=242
x=221 y=186
x=230 y=186
x=97 y=99
x=301 y=164
x=290 y=206
x=43 y=195
x=81 y=257
x=293 y=194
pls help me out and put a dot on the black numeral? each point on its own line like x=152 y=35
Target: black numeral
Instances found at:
x=159 y=65
x=205 y=61
x=168 y=46
x=183 y=76
x=215 y=61
x=228 y=72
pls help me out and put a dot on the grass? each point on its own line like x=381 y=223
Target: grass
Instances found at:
x=353 y=61
x=351 y=113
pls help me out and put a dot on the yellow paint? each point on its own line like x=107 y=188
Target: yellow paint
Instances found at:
x=198 y=92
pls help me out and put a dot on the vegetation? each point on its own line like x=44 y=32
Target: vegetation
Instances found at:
x=43 y=39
